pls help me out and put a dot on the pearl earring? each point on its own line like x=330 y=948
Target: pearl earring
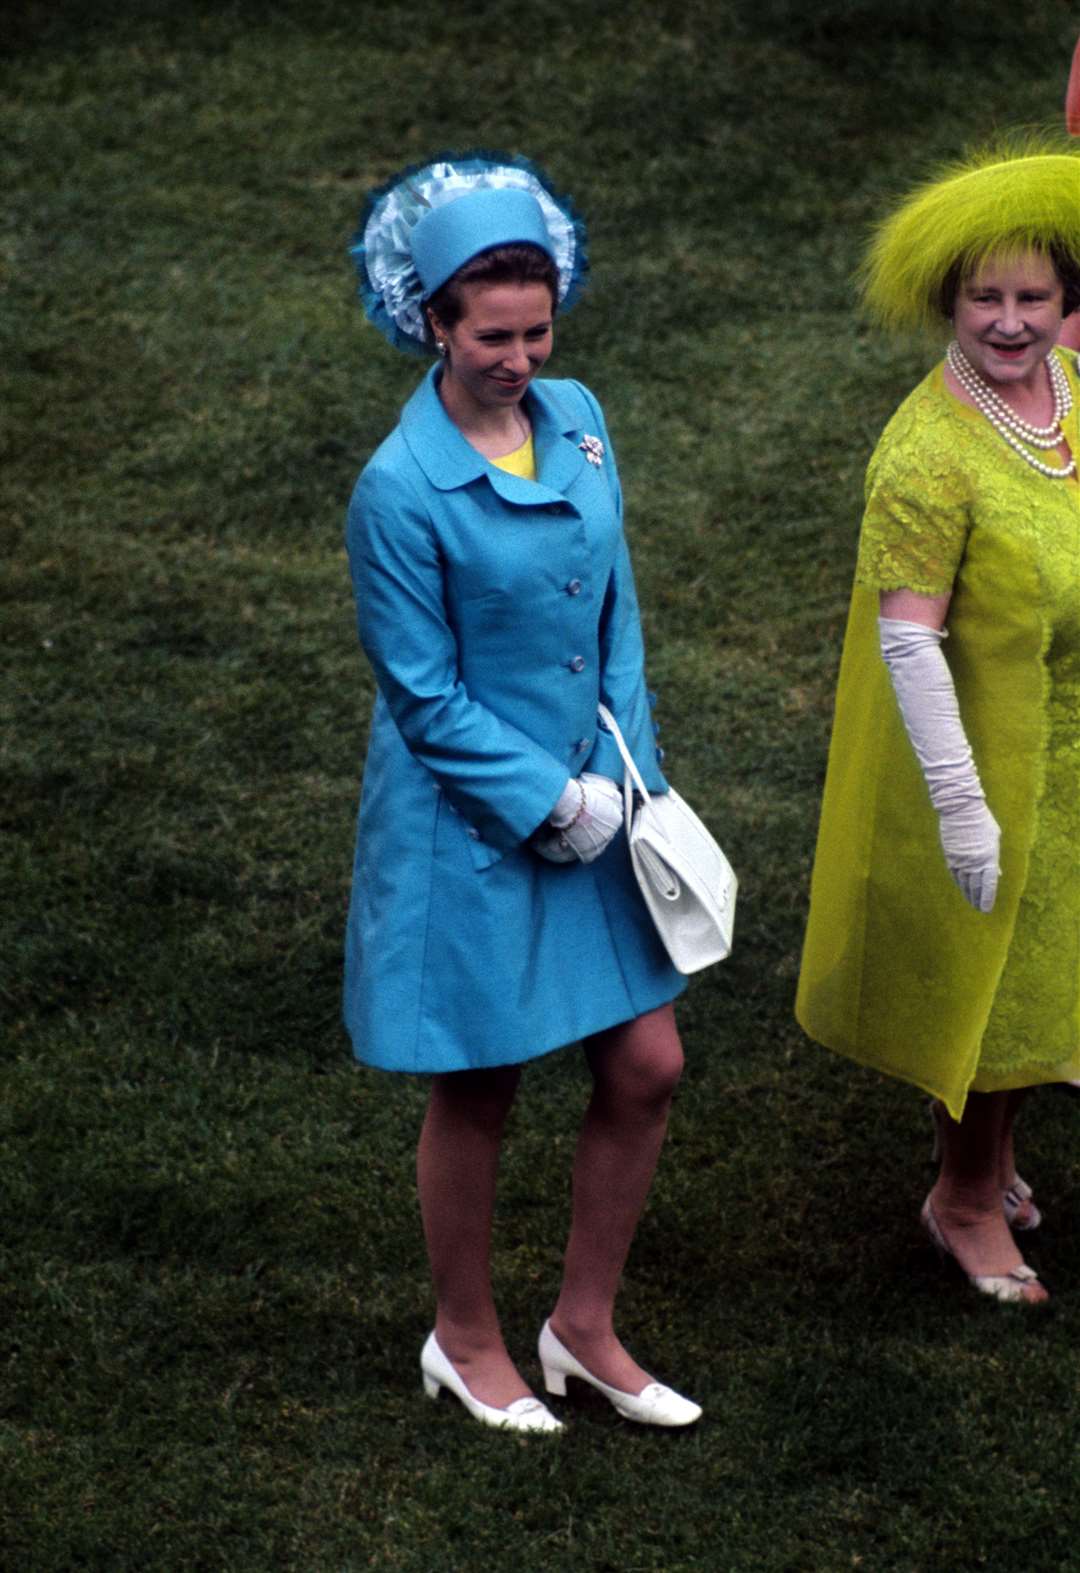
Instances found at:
x=440 y=345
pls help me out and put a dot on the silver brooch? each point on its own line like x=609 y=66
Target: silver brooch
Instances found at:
x=592 y=448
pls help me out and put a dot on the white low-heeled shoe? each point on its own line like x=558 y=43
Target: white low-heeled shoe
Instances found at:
x=524 y=1414
x=655 y=1405
x=1010 y=1287
x=1019 y=1206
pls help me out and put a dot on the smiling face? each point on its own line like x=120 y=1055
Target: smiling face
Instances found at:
x=496 y=347
x=1007 y=315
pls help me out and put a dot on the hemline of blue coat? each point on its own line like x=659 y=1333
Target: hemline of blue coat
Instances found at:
x=495 y=612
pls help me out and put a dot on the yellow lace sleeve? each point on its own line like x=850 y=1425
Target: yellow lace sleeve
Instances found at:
x=917 y=517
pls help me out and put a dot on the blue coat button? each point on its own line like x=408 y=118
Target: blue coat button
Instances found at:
x=574 y=587
x=577 y=663
x=474 y=833
x=582 y=744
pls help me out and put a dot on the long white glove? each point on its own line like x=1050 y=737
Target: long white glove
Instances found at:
x=970 y=837
x=583 y=821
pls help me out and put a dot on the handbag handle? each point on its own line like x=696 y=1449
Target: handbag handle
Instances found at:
x=632 y=771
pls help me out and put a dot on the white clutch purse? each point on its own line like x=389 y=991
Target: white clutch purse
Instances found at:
x=686 y=881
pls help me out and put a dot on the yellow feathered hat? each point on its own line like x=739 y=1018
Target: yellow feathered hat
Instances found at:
x=1020 y=197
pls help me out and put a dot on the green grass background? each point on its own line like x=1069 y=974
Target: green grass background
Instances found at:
x=212 y=1284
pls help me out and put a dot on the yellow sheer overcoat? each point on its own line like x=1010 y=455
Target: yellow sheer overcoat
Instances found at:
x=898 y=971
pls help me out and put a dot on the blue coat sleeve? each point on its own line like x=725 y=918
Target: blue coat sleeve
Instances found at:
x=622 y=654
x=503 y=782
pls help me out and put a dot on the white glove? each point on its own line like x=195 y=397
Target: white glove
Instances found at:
x=583 y=822
x=970 y=836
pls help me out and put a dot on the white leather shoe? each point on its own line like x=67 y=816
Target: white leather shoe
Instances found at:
x=655 y=1405
x=1012 y=1287
x=1019 y=1206
x=524 y=1414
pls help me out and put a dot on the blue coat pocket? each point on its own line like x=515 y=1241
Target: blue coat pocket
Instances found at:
x=457 y=829
x=483 y=854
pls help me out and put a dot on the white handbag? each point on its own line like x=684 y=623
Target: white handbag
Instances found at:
x=687 y=883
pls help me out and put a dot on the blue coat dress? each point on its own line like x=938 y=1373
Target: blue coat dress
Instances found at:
x=495 y=612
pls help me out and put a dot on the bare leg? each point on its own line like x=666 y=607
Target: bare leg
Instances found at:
x=1007 y=1173
x=636 y=1068
x=457 y=1164
x=967 y=1196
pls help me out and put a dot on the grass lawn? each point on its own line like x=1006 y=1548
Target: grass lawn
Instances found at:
x=213 y=1290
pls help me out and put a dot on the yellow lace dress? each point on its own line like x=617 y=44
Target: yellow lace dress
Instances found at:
x=898 y=971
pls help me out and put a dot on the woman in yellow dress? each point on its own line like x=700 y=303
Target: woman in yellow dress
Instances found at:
x=943 y=943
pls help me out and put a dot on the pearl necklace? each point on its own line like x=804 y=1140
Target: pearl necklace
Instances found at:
x=1037 y=436
x=1018 y=433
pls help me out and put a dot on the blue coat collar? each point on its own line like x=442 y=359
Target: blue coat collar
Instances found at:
x=449 y=461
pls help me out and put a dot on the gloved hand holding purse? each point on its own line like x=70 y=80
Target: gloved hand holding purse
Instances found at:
x=583 y=822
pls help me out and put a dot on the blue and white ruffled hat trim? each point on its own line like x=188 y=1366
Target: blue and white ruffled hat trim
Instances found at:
x=390 y=286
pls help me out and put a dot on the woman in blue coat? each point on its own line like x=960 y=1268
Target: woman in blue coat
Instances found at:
x=494 y=913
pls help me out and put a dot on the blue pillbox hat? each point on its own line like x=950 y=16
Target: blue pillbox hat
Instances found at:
x=429 y=220
x=448 y=236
